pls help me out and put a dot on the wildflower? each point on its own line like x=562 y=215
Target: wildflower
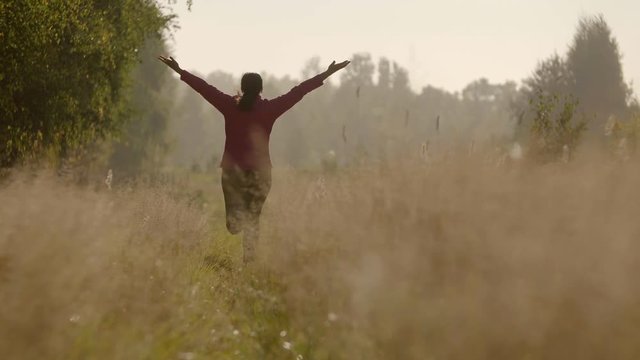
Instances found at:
x=109 y=180
x=610 y=126
x=286 y=345
x=236 y=332
x=622 y=150
x=186 y=356
x=424 y=153
x=566 y=155
x=283 y=333
x=516 y=152
x=332 y=317
x=75 y=318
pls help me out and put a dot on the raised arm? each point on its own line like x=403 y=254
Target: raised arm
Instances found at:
x=215 y=97
x=333 y=68
x=283 y=103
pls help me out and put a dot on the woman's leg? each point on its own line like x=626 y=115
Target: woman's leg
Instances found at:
x=258 y=187
x=234 y=203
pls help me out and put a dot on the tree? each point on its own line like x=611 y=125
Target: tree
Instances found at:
x=551 y=76
x=143 y=144
x=479 y=90
x=384 y=73
x=591 y=75
x=400 y=78
x=360 y=71
x=554 y=130
x=64 y=71
x=312 y=68
x=487 y=106
x=597 y=81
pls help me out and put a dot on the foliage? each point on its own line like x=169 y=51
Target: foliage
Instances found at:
x=624 y=135
x=554 y=129
x=597 y=80
x=64 y=71
x=143 y=144
x=632 y=132
x=551 y=76
x=360 y=71
x=590 y=72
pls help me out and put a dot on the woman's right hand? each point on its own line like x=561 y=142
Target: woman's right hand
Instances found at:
x=171 y=62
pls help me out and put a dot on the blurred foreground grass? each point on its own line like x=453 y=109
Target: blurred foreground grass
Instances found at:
x=453 y=260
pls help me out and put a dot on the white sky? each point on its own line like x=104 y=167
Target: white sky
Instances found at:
x=442 y=43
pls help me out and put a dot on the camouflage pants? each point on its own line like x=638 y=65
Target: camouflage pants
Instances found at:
x=245 y=192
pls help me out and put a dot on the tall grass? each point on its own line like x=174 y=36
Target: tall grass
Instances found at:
x=451 y=260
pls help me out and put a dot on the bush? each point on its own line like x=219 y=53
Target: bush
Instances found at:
x=64 y=71
x=554 y=130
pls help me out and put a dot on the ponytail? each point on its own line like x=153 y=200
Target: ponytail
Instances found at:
x=246 y=101
x=251 y=85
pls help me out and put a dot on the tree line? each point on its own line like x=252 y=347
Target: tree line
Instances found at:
x=79 y=80
x=374 y=112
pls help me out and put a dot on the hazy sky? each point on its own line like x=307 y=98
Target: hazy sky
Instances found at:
x=442 y=43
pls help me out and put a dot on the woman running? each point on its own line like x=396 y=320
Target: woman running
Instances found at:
x=246 y=164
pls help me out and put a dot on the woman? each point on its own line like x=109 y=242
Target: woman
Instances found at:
x=246 y=164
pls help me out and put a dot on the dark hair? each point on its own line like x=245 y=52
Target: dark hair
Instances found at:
x=251 y=85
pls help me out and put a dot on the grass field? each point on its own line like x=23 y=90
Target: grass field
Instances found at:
x=453 y=260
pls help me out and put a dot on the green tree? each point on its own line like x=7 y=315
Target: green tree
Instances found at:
x=143 y=144
x=593 y=61
x=591 y=74
x=555 y=129
x=551 y=76
x=64 y=71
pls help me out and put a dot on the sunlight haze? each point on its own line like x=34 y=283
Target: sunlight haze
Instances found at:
x=444 y=44
x=459 y=184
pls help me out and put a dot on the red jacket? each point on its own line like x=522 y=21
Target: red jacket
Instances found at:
x=247 y=132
